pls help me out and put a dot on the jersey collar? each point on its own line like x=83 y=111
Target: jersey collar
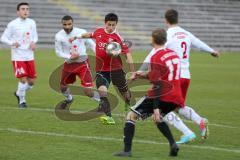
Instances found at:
x=109 y=33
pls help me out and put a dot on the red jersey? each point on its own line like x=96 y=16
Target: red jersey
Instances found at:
x=165 y=70
x=104 y=62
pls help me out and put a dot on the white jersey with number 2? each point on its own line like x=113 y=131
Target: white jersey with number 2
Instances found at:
x=181 y=41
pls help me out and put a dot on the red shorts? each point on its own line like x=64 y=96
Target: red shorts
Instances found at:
x=82 y=70
x=24 y=69
x=184 y=86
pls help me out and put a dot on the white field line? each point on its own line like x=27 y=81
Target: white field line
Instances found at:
x=18 y=131
x=117 y=115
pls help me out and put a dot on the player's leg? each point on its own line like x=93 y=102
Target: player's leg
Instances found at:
x=31 y=72
x=129 y=130
x=88 y=91
x=172 y=119
x=66 y=78
x=119 y=80
x=102 y=83
x=20 y=73
x=21 y=92
x=190 y=114
x=87 y=83
x=30 y=83
x=139 y=109
x=165 y=108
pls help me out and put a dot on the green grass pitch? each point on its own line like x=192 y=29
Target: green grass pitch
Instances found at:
x=36 y=133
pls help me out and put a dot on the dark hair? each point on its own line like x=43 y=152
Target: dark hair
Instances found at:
x=21 y=4
x=159 y=36
x=111 y=17
x=66 y=18
x=171 y=16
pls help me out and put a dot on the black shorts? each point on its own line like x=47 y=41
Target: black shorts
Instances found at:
x=117 y=77
x=144 y=107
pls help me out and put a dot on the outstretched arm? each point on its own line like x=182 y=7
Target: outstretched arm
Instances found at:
x=84 y=35
x=197 y=43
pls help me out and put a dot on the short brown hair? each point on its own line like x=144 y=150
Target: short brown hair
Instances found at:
x=22 y=4
x=171 y=16
x=159 y=36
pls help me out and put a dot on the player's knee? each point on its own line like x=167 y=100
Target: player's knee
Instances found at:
x=23 y=80
x=132 y=116
x=102 y=90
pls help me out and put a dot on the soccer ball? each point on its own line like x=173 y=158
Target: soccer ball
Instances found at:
x=113 y=49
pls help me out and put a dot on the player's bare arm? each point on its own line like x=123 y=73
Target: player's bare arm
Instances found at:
x=130 y=63
x=85 y=35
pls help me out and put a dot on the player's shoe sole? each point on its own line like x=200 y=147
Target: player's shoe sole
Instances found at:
x=205 y=129
x=187 y=138
x=123 y=154
x=107 y=120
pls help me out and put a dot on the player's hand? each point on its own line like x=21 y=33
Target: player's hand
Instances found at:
x=32 y=46
x=74 y=56
x=73 y=39
x=215 y=54
x=133 y=76
x=16 y=44
x=157 y=116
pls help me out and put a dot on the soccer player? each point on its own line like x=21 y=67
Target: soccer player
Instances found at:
x=181 y=41
x=76 y=60
x=21 y=35
x=155 y=103
x=109 y=68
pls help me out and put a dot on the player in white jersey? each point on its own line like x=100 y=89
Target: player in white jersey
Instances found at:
x=76 y=60
x=181 y=42
x=21 y=35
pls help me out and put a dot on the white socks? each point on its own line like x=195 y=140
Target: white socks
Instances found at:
x=21 y=91
x=28 y=87
x=68 y=95
x=190 y=114
x=96 y=96
x=172 y=119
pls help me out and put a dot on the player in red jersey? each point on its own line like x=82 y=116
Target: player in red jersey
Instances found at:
x=158 y=101
x=109 y=68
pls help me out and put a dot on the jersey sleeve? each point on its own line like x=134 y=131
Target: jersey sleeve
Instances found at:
x=35 y=34
x=94 y=34
x=146 y=63
x=197 y=43
x=6 y=36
